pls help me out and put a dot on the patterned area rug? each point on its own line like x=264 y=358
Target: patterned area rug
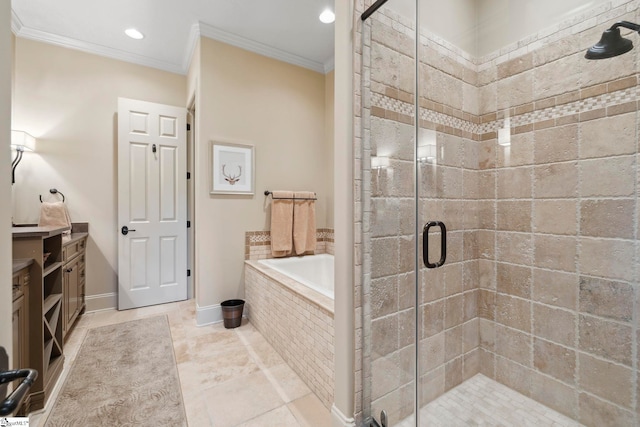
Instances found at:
x=124 y=375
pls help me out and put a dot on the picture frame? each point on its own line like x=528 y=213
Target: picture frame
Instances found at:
x=232 y=168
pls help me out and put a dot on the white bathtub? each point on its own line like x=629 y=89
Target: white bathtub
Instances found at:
x=314 y=271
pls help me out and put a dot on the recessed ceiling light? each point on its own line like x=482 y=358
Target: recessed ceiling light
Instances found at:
x=327 y=16
x=134 y=34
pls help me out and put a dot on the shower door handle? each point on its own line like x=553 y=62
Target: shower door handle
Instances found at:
x=425 y=244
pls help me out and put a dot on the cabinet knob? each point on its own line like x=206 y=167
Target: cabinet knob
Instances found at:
x=69 y=270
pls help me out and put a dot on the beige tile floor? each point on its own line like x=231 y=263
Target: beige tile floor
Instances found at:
x=229 y=377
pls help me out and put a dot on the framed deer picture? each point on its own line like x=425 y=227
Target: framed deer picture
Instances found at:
x=232 y=168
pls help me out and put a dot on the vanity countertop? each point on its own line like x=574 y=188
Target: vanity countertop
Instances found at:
x=73 y=237
x=20 y=263
x=26 y=232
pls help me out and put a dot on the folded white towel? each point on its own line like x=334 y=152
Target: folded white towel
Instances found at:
x=55 y=215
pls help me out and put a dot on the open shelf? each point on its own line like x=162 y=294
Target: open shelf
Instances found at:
x=51 y=267
x=50 y=301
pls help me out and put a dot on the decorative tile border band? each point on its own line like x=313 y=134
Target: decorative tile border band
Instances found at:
x=257 y=244
x=383 y=104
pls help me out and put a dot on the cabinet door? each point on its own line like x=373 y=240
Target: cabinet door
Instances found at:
x=71 y=281
x=19 y=334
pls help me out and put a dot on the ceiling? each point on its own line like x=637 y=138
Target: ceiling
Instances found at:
x=287 y=30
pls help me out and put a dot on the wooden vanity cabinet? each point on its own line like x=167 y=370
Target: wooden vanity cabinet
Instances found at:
x=44 y=308
x=20 y=322
x=20 y=295
x=73 y=279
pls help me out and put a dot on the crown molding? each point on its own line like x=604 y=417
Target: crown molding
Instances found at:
x=197 y=30
x=329 y=65
x=259 y=48
x=190 y=49
x=16 y=23
x=70 y=43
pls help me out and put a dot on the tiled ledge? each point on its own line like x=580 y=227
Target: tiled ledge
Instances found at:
x=257 y=244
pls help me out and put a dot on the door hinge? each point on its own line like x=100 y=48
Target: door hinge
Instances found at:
x=188 y=126
x=188 y=224
x=188 y=175
x=188 y=273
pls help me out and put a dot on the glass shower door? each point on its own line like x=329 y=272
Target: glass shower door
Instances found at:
x=389 y=203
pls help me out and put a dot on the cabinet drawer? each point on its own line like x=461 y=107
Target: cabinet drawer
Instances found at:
x=72 y=249
x=19 y=281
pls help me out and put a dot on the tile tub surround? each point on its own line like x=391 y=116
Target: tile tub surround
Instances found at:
x=297 y=322
x=552 y=318
x=258 y=243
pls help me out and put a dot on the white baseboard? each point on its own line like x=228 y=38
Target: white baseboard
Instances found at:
x=338 y=419
x=101 y=302
x=208 y=315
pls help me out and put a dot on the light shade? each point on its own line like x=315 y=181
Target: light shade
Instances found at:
x=22 y=141
x=379 y=162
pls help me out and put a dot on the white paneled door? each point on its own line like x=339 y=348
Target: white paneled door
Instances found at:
x=152 y=204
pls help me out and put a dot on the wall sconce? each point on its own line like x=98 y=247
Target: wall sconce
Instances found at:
x=427 y=153
x=504 y=134
x=21 y=142
x=379 y=162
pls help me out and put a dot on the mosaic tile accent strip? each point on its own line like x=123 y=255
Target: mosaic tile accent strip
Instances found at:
x=606 y=100
x=258 y=243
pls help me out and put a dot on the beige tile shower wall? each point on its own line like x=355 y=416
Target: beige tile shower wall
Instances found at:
x=361 y=212
x=557 y=317
x=258 y=243
x=300 y=331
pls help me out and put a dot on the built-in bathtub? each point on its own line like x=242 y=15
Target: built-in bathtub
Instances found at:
x=290 y=301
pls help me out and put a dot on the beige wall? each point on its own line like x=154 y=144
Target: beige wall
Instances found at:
x=343 y=410
x=68 y=100
x=6 y=340
x=329 y=108
x=245 y=97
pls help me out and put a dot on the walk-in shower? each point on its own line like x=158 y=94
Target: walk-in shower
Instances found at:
x=498 y=237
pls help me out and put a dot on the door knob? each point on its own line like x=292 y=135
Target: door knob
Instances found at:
x=125 y=230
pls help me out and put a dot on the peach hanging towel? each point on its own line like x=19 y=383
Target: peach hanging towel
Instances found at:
x=304 y=222
x=281 y=223
x=55 y=215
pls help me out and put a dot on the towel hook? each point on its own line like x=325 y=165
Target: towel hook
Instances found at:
x=54 y=191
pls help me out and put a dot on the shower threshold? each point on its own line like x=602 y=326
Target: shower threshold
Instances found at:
x=481 y=401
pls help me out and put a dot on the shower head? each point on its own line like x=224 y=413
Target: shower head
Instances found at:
x=612 y=43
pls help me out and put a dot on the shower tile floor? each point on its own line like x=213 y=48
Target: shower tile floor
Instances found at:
x=480 y=401
x=229 y=377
